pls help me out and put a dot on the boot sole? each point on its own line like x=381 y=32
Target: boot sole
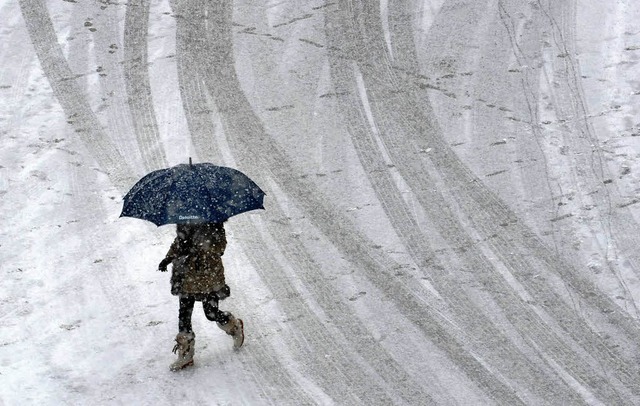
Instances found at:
x=175 y=369
x=237 y=347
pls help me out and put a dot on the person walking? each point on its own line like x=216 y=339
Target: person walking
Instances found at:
x=198 y=275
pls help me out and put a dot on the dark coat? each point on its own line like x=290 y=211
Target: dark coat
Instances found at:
x=196 y=257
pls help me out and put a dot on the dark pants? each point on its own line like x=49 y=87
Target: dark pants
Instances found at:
x=210 y=307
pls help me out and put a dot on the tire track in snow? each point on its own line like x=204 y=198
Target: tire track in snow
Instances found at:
x=526 y=47
x=588 y=161
x=382 y=75
x=495 y=347
x=14 y=60
x=69 y=95
x=534 y=41
x=313 y=330
x=531 y=62
x=196 y=102
x=368 y=378
x=95 y=51
x=271 y=377
x=244 y=122
x=487 y=221
x=496 y=114
x=138 y=87
x=548 y=201
x=503 y=3
x=520 y=318
x=546 y=196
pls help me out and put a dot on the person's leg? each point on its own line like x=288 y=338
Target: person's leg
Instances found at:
x=212 y=312
x=184 y=314
x=186 y=339
x=225 y=320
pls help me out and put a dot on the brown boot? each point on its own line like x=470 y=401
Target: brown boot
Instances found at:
x=185 y=348
x=235 y=328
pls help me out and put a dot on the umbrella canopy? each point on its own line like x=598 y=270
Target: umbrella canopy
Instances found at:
x=193 y=193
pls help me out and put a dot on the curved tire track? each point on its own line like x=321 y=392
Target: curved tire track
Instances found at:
x=138 y=87
x=487 y=220
x=72 y=99
x=593 y=176
x=311 y=329
x=241 y=122
x=516 y=312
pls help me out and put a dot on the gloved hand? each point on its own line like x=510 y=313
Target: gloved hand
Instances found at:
x=162 y=267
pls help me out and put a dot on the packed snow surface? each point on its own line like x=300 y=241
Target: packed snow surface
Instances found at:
x=452 y=209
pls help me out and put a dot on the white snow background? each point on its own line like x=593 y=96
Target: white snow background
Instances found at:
x=451 y=213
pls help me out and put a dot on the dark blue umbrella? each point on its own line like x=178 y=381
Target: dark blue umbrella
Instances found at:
x=193 y=193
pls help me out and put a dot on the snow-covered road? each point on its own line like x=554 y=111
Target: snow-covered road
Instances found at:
x=452 y=200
